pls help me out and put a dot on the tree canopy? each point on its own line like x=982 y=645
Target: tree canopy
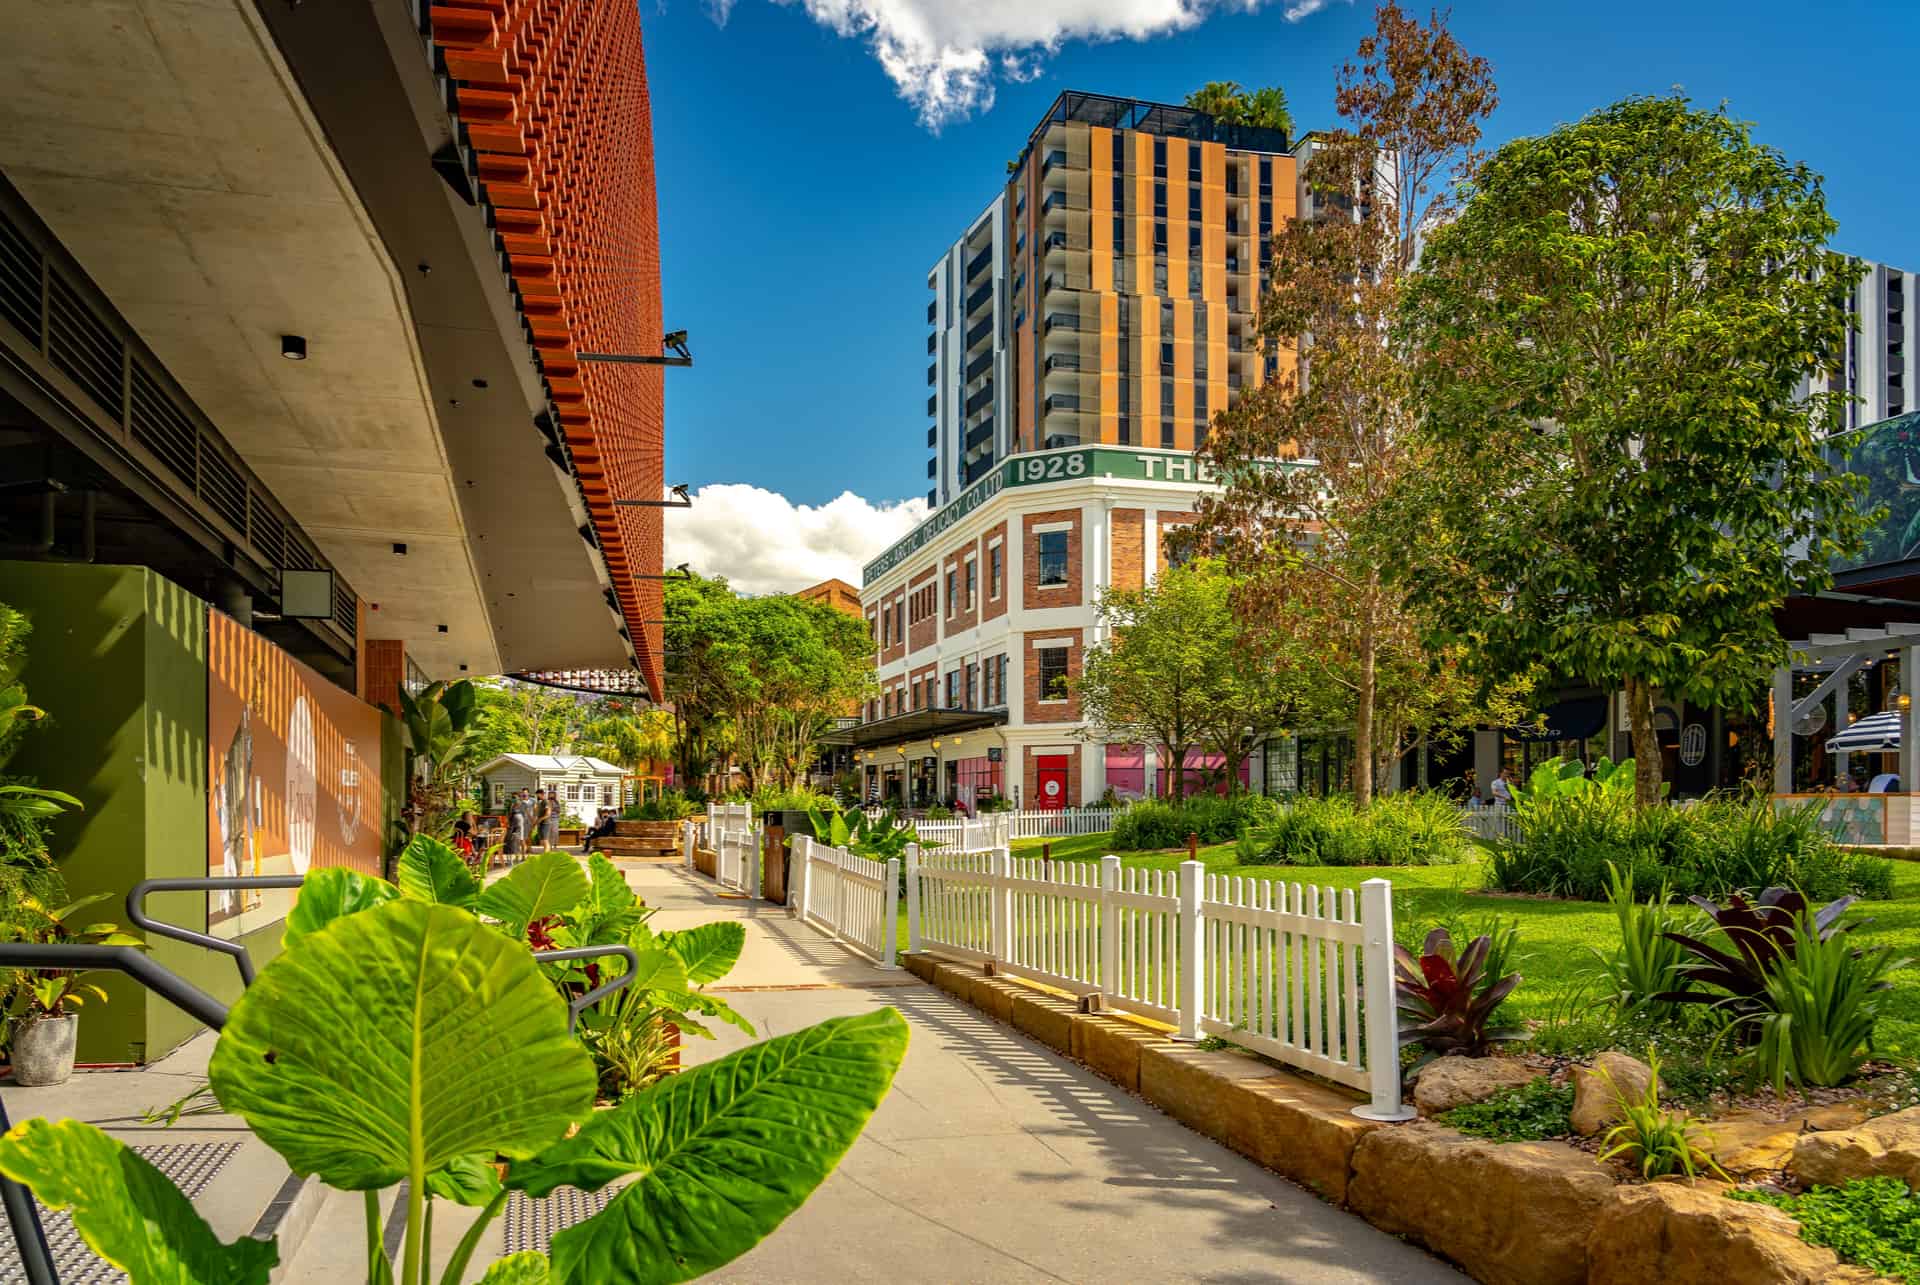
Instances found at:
x=1229 y=104
x=1621 y=476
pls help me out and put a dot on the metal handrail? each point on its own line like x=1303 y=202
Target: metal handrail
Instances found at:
x=600 y=992
x=137 y=913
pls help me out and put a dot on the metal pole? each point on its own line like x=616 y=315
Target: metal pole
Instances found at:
x=137 y=912
x=24 y=1218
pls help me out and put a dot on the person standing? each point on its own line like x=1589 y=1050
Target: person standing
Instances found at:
x=517 y=827
x=545 y=824
x=1502 y=790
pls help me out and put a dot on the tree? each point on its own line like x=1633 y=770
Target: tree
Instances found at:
x=1229 y=104
x=1174 y=671
x=1309 y=541
x=525 y=718
x=1623 y=480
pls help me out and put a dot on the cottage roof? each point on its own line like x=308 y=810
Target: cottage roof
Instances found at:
x=556 y=763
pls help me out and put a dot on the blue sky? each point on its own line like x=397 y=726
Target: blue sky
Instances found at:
x=802 y=199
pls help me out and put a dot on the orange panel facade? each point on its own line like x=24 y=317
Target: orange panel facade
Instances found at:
x=552 y=98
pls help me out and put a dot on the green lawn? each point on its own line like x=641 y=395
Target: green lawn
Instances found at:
x=1555 y=936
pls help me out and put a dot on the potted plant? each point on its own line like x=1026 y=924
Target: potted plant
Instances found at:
x=43 y=1002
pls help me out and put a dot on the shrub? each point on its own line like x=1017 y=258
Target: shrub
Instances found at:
x=1419 y=828
x=1874 y=1222
x=1445 y=1000
x=1822 y=1001
x=1565 y=843
x=1537 y=1110
x=1153 y=824
x=669 y=805
x=1664 y=1142
x=1641 y=974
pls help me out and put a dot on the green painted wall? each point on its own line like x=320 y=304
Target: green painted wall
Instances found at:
x=118 y=660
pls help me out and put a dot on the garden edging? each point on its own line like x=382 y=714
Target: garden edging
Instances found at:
x=1508 y=1213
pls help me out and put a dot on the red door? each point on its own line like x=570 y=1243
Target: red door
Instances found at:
x=1050 y=782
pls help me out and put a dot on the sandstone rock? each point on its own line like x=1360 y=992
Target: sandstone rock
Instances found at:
x=1693 y=1235
x=1595 y=1104
x=1301 y=1130
x=1510 y=1213
x=1747 y=1147
x=1886 y=1147
x=1453 y=1082
x=1840 y=1115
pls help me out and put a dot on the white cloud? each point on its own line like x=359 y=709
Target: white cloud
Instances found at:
x=1305 y=9
x=762 y=542
x=719 y=11
x=941 y=54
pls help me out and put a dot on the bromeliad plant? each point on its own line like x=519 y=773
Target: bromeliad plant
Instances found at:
x=1759 y=934
x=399 y=1038
x=1445 y=1000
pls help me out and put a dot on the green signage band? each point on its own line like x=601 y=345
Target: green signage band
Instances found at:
x=1043 y=468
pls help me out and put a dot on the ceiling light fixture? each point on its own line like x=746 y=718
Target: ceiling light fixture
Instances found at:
x=293 y=347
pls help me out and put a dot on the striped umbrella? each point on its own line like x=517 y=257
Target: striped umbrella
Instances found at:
x=1874 y=732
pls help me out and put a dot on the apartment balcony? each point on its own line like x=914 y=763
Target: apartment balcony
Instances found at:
x=933 y=374
x=1064 y=244
x=982 y=398
x=1062 y=208
x=933 y=344
x=933 y=437
x=1234 y=380
x=981 y=331
x=1063 y=363
x=1060 y=321
x=974 y=470
x=978 y=297
x=979 y=366
x=1060 y=402
x=1053 y=441
x=933 y=404
x=1061 y=158
x=979 y=263
x=933 y=468
x=1065 y=282
x=983 y=433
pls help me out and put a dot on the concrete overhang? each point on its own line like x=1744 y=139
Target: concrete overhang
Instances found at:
x=230 y=174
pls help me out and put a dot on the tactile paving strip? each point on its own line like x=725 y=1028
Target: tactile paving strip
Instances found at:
x=532 y=1224
x=191 y=1166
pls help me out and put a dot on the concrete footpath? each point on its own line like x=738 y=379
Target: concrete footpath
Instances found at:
x=994 y=1159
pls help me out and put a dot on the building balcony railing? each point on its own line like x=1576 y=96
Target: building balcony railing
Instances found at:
x=1234 y=379
x=982 y=398
x=933 y=374
x=1065 y=281
x=979 y=366
x=933 y=344
x=1061 y=158
x=1064 y=361
x=976 y=469
x=984 y=433
x=1063 y=201
x=980 y=296
x=1061 y=321
x=933 y=436
x=1061 y=401
x=978 y=263
x=933 y=311
x=1054 y=441
x=1066 y=242
x=981 y=330
x=933 y=467
x=933 y=404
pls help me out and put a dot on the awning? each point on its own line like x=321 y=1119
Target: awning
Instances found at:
x=914 y=725
x=1874 y=732
x=1567 y=720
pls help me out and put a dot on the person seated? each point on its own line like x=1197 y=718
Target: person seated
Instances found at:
x=602 y=826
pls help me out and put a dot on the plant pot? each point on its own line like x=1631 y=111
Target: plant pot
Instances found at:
x=43 y=1050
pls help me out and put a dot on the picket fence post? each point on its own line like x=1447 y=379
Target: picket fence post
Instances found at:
x=1376 y=976
x=913 y=898
x=686 y=842
x=999 y=906
x=890 y=920
x=803 y=862
x=1109 y=925
x=1187 y=987
x=757 y=839
x=839 y=858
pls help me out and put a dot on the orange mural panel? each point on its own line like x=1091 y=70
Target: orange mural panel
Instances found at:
x=293 y=778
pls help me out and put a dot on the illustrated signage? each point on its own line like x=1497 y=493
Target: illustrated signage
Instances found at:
x=1693 y=744
x=1043 y=468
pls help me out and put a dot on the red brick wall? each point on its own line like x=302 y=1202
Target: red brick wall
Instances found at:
x=1030 y=791
x=1067 y=711
x=917 y=682
x=897 y=646
x=1129 y=548
x=961 y=618
x=1033 y=596
x=1170 y=522
x=925 y=631
x=991 y=607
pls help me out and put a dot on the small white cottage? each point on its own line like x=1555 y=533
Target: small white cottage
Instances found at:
x=586 y=784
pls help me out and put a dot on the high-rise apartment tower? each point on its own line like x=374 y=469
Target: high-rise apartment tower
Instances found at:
x=1107 y=295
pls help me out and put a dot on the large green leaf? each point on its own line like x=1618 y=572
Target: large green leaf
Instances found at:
x=526 y=1268
x=431 y=871
x=398 y=1040
x=126 y=1210
x=611 y=891
x=724 y=1151
x=466 y=1180
x=709 y=951
x=539 y=886
x=330 y=893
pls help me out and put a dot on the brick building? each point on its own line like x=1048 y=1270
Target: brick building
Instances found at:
x=981 y=616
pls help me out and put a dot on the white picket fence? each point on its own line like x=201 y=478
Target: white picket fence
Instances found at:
x=994 y=830
x=1496 y=822
x=1301 y=974
x=854 y=898
x=736 y=843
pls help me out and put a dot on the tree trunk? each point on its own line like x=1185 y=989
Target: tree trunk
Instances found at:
x=1175 y=758
x=1363 y=720
x=1646 y=745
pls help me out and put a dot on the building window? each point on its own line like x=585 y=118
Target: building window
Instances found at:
x=606 y=796
x=971 y=568
x=973 y=686
x=993 y=572
x=953 y=596
x=1159 y=158
x=1053 y=673
x=953 y=689
x=1053 y=558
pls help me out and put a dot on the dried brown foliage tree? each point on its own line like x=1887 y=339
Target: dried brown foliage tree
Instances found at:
x=1340 y=404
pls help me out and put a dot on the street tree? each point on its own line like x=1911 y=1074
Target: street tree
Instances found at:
x=1308 y=540
x=1621 y=479
x=1175 y=671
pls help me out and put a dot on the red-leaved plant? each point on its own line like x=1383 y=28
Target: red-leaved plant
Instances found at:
x=1445 y=1000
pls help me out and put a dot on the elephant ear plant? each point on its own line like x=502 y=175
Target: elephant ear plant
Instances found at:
x=398 y=1039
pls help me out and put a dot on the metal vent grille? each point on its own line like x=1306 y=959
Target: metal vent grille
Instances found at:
x=222 y=487
x=299 y=557
x=346 y=608
x=20 y=283
x=82 y=348
x=265 y=529
x=158 y=425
